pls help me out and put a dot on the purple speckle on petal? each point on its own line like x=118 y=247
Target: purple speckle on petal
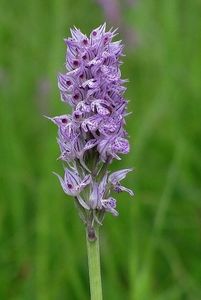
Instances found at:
x=75 y=63
x=64 y=120
x=69 y=185
x=85 y=41
x=76 y=96
x=68 y=82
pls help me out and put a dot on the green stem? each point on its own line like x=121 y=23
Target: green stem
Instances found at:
x=94 y=264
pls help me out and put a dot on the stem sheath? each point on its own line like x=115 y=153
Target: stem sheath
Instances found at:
x=94 y=266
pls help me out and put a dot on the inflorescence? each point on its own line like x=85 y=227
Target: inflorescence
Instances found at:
x=93 y=134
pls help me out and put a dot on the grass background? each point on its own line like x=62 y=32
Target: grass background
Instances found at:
x=152 y=250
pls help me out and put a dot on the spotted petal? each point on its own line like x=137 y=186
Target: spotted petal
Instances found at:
x=68 y=189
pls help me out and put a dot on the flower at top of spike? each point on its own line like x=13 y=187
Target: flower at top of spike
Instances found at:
x=93 y=87
x=93 y=134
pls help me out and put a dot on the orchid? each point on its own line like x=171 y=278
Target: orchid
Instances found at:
x=94 y=134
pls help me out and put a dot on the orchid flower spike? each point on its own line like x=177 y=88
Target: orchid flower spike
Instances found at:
x=93 y=135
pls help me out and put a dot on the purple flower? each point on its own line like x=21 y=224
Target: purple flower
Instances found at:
x=110 y=205
x=97 y=198
x=115 y=179
x=72 y=184
x=93 y=134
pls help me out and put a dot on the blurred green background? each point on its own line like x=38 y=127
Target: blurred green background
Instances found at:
x=153 y=249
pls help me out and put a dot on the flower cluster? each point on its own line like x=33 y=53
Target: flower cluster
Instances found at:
x=93 y=134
